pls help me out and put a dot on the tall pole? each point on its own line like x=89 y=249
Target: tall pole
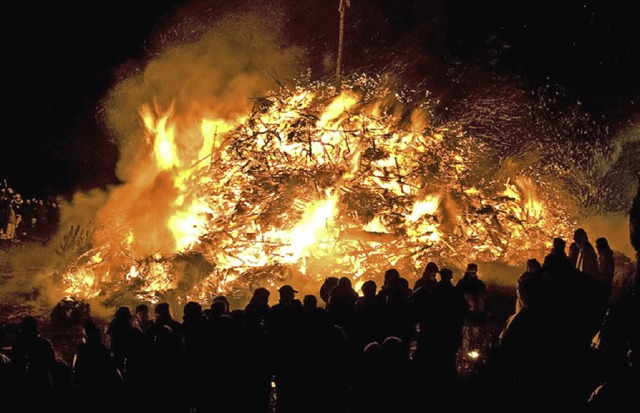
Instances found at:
x=342 y=9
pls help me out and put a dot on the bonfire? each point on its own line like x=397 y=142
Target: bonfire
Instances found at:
x=318 y=180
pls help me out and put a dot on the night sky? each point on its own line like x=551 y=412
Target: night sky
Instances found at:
x=61 y=58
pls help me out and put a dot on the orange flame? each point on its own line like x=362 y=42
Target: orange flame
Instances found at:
x=326 y=185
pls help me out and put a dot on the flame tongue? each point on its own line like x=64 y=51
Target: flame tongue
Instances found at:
x=322 y=185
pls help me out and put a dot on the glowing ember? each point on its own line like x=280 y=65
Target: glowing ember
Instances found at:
x=312 y=183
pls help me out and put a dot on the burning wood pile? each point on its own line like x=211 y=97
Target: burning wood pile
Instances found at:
x=314 y=182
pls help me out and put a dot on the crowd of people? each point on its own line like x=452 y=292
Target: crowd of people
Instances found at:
x=30 y=219
x=386 y=348
x=571 y=343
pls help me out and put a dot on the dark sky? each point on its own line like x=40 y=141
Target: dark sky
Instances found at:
x=59 y=61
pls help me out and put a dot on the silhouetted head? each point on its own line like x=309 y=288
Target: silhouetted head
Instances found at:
x=372 y=353
x=162 y=310
x=310 y=302
x=142 y=312
x=580 y=236
x=218 y=308
x=192 y=311
x=261 y=294
x=391 y=278
x=394 y=349
x=602 y=244
x=123 y=314
x=431 y=269
x=91 y=331
x=344 y=282
x=369 y=288
x=533 y=265
x=446 y=274
x=221 y=304
x=327 y=285
x=29 y=326
x=558 y=245
x=472 y=268
x=287 y=293
x=403 y=285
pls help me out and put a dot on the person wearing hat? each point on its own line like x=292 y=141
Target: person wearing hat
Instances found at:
x=286 y=312
x=283 y=324
x=474 y=291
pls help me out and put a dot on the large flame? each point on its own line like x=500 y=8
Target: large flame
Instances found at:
x=313 y=183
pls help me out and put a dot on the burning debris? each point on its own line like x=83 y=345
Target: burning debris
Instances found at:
x=314 y=182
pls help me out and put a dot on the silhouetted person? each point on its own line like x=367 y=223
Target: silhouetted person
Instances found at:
x=368 y=316
x=342 y=303
x=223 y=349
x=324 y=371
x=390 y=283
x=558 y=273
x=398 y=316
x=167 y=361
x=325 y=289
x=259 y=302
x=530 y=285
x=95 y=373
x=283 y=326
x=587 y=258
x=34 y=358
x=369 y=380
x=475 y=292
x=606 y=267
x=545 y=349
x=441 y=329
x=527 y=357
x=198 y=360
x=119 y=335
x=142 y=318
x=622 y=320
x=428 y=279
x=63 y=387
x=557 y=261
x=619 y=392
x=131 y=348
x=395 y=374
x=255 y=365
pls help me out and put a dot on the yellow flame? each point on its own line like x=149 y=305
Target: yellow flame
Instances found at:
x=213 y=132
x=428 y=205
x=163 y=136
x=375 y=225
x=511 y=191
x=133 y=273
x=313 y=228
x=333 y=112
x=96 y=258
x=364 y=149
x=189 y=222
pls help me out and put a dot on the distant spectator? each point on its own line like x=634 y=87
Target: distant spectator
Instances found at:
x=587 y=258
x=428 y=278
x=606 y=267
x=33 y=355
x=475 y=292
